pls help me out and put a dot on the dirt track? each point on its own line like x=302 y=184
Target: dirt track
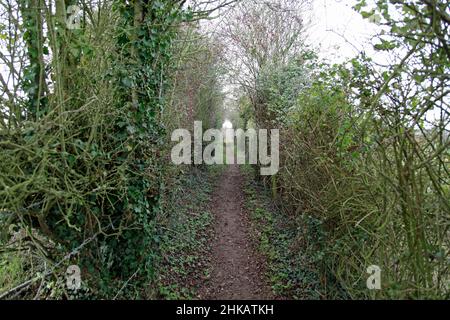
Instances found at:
x=237 y=270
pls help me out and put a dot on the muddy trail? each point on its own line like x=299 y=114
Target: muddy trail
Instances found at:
x=238 y=271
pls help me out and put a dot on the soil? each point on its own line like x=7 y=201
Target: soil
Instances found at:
x=238 y=271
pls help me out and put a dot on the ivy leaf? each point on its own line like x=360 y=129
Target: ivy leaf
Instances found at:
x=385 y=45
x=367 y=14
x=127 y=82
x=131 y=129
x=360 y=5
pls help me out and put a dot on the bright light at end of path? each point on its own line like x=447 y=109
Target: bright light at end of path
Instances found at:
x=227 y=124
x=227 y=127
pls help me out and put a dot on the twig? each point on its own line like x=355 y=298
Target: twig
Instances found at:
x=27 y=283
x=126 y=283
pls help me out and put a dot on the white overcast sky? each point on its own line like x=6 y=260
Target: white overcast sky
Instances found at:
x=341 y=33
x=338 y=30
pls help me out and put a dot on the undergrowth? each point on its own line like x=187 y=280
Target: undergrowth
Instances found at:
x=293 y=271
x=184 y=236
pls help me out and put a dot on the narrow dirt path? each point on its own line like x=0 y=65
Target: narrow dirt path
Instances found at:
x=237 y=271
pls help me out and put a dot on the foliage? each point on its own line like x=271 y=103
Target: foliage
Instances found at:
x=292 y=271
x=80 y=161
x=364 y=158
x=85 y=122
x=185 y=232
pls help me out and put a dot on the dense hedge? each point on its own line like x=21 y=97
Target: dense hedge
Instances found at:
x=364 y=171
x=81 y=167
